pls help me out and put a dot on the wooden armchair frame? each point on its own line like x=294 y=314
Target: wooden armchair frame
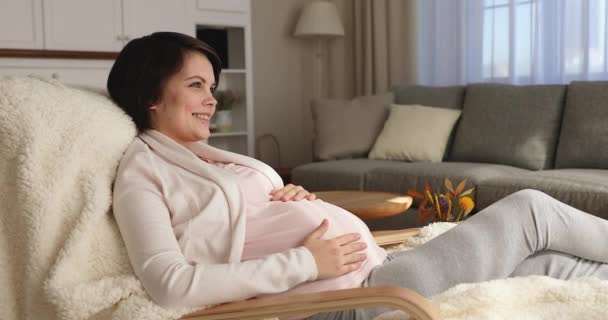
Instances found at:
x=407 y=300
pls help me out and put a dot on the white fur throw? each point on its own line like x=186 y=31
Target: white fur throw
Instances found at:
x=534 y=297
x=61 y=254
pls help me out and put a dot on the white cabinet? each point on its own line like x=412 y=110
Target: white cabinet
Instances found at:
x=107 y=25
x=142 y=17
x=83 y=25
x=223 y=5
x=91 y=74
x=21 y=24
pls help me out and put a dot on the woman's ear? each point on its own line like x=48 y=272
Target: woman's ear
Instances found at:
x=153 y=107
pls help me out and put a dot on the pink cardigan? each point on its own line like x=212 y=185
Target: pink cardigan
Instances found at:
x=164 y=196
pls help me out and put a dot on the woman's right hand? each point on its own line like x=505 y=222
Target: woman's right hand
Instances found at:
x=337 y=256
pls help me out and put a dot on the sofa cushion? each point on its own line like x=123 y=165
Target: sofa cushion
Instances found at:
x=444 y=97
x=415 y=133
x=585 y=189
x=345 y=174
x=399 y=177
x=512 y=125
x=348 y=128
x=583 y=141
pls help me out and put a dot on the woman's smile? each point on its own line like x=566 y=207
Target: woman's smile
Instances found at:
x=202 y=116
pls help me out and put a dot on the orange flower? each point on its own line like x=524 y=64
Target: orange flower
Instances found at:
x=466 y=203
x=439 y=206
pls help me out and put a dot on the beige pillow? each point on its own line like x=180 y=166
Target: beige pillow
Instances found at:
x=415 y=133
x=348 y=128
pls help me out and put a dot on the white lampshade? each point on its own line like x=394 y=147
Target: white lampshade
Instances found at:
x=319 y=19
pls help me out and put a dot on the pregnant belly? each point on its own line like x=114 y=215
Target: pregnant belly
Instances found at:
x=284 y=225
x=277 y=226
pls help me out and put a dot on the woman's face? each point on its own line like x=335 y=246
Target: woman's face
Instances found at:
x=186 y=104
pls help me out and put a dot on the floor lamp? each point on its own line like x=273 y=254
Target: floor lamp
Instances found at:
x=320 y=21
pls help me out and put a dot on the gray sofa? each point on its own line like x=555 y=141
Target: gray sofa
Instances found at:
x=552 y=138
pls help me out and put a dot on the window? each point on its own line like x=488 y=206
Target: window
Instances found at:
x=497 y=50
x=513 y=41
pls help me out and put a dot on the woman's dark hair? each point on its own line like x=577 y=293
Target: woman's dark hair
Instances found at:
x=144 y=66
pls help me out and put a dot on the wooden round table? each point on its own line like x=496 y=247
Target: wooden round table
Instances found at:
x=367 y=204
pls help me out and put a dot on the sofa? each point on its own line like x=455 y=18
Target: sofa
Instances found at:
x=552 y=138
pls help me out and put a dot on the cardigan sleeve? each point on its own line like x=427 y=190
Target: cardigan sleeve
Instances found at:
x=173 y=281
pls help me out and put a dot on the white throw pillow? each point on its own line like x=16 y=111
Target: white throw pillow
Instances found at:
x=415 y=133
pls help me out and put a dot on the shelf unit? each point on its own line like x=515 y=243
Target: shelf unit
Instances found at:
x=226 y=25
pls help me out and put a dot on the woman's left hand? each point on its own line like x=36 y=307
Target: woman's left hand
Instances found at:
x=291 y=192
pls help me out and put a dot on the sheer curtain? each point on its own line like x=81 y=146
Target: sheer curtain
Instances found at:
x=512 y=41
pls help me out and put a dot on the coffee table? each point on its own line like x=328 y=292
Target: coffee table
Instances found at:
x=367 y=204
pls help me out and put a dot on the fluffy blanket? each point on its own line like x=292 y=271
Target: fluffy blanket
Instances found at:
x=534 y=297
x=61 y=254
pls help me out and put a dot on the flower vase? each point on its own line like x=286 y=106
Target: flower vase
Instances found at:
x=223 y=120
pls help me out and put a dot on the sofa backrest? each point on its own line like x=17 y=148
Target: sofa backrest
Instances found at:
x=443 y=97
x=529 y=126
x=509 y=124
x=583 y=141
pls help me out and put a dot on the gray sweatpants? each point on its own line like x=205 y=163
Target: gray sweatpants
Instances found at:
x=526 y=233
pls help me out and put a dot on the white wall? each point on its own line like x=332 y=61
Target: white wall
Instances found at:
x=283 y=78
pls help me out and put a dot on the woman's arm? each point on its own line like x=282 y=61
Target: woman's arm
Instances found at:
x=172 y=281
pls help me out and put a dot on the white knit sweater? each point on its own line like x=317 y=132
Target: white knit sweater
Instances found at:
x=165 y=198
